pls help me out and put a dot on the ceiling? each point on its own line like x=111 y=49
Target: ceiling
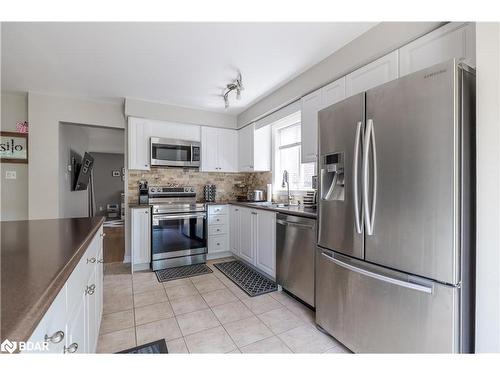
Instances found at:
x=186 y=64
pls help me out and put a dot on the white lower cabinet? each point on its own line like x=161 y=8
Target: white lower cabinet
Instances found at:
x=71 y=324
x=253 y=237
x=218 y=231
x=234 y=230
x=140 y=222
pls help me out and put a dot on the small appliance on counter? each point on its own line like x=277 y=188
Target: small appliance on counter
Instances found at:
x=255 y=195
x=143 y=192
x=209 y=192
x=310 y=199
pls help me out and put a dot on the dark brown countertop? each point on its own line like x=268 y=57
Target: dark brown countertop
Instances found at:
x=37 y=258
x=289 y=210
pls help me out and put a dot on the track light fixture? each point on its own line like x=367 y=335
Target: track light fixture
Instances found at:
x=236 y=85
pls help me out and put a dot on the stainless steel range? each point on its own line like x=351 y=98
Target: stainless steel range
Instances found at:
x=178 y=227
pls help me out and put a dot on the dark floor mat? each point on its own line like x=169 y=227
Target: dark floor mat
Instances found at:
x=252 y=282
x=155 y=347
x=181 y=272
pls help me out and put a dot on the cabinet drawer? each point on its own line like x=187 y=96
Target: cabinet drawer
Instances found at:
x=52 y=322
x=217 y=244
x=217 y=220
x=217 y=209
x=78 y=279
x=217 y=229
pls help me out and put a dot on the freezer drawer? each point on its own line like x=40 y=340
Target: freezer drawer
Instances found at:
x=372 y=309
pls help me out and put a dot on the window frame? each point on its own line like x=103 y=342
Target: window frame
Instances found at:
x=290 y=120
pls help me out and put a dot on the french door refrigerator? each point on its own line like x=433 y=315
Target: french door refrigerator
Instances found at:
x=395 y=260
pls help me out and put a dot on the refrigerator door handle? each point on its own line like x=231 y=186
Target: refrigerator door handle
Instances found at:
x=369 y=213
x=357 y=219
x=405 y=284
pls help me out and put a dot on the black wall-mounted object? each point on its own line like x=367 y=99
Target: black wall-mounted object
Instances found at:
x=81 y=170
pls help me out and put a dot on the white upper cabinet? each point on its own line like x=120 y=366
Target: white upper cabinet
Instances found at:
x=139 y=132
x=254 y=148
x=245 y=149
x=311 y=105
x=376 y=73
x=454 y=40
x=219 y=150
x=209 y=147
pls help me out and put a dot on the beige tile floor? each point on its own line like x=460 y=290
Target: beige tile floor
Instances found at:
x=204 y=314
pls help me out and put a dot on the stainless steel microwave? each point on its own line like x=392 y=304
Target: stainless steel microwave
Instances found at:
x=167 y=152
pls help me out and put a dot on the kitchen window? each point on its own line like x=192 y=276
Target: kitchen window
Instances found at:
x=286 y=155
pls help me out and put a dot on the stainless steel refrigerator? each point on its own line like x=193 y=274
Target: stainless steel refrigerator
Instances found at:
x=395 y=258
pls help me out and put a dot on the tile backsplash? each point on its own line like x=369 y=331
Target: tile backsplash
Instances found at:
x=228 y=185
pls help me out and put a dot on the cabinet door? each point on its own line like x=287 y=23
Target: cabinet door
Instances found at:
x=454 y=40
x=209 y=149
x=139 y=132
x=311 y=104
x=141 y=234
x=265 y=242
x=99 y=287
x=333 y=93
x=374 y=74
x=76 y=328
x=246 y=235
x=262 y=149
x=245 y=148
x=91 y=317
x=234 y=230
x=227 y=150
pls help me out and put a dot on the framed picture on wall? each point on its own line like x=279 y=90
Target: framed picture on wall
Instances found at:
x=14 y=147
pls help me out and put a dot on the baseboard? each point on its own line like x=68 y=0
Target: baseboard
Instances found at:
x=218 y=255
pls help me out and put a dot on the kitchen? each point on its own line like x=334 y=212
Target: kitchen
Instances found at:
x=272 y=231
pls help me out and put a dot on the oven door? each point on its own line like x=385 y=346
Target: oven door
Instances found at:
x=178 y=235
x=175 y=153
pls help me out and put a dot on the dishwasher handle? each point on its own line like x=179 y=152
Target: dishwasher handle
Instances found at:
x=292 y=224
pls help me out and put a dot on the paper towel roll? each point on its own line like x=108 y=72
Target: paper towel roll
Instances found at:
x=269 y=192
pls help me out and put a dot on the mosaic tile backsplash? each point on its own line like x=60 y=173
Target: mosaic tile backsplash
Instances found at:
x=228 y=185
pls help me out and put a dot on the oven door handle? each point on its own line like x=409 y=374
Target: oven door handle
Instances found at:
x=183 y=216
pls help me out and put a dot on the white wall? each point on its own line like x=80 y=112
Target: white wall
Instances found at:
x=166 y=112
x=14 y=193
x=45 y=113
x=71 y=203
x=376 y=42
x=488 y=188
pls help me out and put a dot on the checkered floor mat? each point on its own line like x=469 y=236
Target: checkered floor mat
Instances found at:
x=182 y=272
x=252 y=282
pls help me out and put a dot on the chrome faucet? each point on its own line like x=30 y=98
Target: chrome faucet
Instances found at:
x=285 y=181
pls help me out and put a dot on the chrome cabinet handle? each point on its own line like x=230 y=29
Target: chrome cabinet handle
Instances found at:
x=369 y=214
x=103 y=234
x=90 y=289
x=71 y=349
x=355 y=173
x=218 y=243
x=56 y=338
x=91 y=260
x=100 y=261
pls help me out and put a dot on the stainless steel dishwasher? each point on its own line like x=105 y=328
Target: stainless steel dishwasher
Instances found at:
x=295 y=255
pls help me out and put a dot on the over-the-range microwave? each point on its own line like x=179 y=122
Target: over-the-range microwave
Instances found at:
x=166 y=152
